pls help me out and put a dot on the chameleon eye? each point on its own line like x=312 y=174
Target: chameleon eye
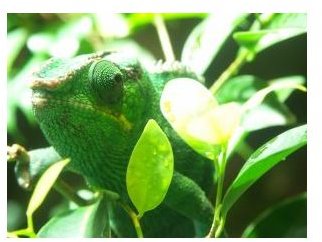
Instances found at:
x=106 y=80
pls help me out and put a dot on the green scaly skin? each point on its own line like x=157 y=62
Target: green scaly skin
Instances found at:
x=93 y=108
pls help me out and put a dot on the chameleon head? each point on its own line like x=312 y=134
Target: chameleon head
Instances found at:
x=90 y=101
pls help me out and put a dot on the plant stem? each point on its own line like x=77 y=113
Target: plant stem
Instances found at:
x=232 y=69
x=164 y=38
x=242 y=56
x=135 y=219
x=218 y=223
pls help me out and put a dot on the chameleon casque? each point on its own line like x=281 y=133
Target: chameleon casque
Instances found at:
x=93 y=108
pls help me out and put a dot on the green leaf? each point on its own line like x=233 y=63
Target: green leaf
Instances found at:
x=40 y=43
x=195 y=115
x=267 y=113
x=138 y=20
x=70 y=36
x=83 y=222
x=239 y=89
x=150 y=168
x=278 y=28
x=205 y=41
x=270 y=111
x=259 y=96
x=264 y=112
x=283 y=94
x=44 y=184
x=19 y=94
x=67 y=35
x=111 y=25
x=257 y=41
x=284 y=220
x=285 y=20
x=16 y=40
x=264 y=159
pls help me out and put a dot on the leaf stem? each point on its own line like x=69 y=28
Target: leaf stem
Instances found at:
x=28 y=232
x=218 y=222
x=164 y=38
x=135 y=219
x=232 y=69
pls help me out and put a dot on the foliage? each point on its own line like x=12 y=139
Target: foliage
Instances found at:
x=148 y=176
x=215 y=120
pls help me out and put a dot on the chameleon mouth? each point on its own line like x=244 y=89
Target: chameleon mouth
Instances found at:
x=43 y=101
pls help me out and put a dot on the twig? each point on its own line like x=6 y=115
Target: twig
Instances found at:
x=164 y=38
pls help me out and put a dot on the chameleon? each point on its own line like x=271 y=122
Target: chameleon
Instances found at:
x=92 y=108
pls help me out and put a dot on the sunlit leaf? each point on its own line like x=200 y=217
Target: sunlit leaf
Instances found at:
x=286 y=20
x=259 y=96
x=206 y=39
x=40 y=42
x=137 y=20
x=284 y=93
x=197 y=118
x=150 y=168
x=111 y=25
x=266 y=108
x=278 y=28
x=266 y=115
x=82 y=222
x=70 y=36
x=262 y=39
x=44 y=184
x=284 y=220
x=263 y=160
x=239 y=89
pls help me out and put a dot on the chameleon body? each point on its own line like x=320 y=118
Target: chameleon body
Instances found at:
x=93 y=108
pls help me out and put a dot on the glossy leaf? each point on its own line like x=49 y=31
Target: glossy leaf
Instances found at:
x=138 y=20
x=283 y=94
x=83 y=222
x=239 y=89
x=284 y=20
x=284 y=220
x=150 y=168
x=259 y=96
x=267 y=113
x=264 y=159
x=278 y=28
x=195 y=115
x=44 y=184
x=260 y=115
x=206 y=39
